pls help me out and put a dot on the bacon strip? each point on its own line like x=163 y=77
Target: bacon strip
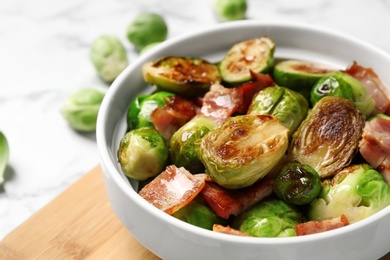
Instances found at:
x=228 y=230
x=375 y=87
x=173 y=189
x=226 y=202
x=313 y=227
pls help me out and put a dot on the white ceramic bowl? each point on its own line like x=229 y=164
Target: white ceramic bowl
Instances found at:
x=170 y=238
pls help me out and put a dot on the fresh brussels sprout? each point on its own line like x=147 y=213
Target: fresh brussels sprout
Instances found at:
x=199 y=214
x=181 y=75
x=182 y=143
x=243 y=149
x=358 y=191
x=142 y=106
x=108 y=57
x=299 y=75
x=230 y=10
x=81 y=109
x=4 y=156
x=297 y=183
x=255 y=55
x=271 y=218
x=147 y=28
x=328 y=138
x=343 y=85
x=143 y=153
x=288 y=106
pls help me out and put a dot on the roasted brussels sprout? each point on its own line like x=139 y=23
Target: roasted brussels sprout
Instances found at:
x=147 y=28
x=4 y=156
x=358 y=191
x=272 y=218
x=143 y=153
x=328 y=138
x=343 y=85
x=199 y=214
x=255 y=55
x=288 y=106
x=81 y=109
x=108 y=57
x=297 y=183
x=230 y=10
x=300 y=75
x=182 y=143
x=142 y=106
x=243 y=149
x=181 y=75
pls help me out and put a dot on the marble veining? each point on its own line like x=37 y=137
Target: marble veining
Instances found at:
x=44 y=57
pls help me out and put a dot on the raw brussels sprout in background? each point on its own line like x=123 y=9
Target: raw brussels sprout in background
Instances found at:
x=358 y=191
x=145 y=29
x=108 y=57
x=81 y=109
x=182 y=143
x=4 y=156
x=143 y=153
x=343 y=85
x=297 y=183
x=230 y=10
x=272 y=218
x=288 y=106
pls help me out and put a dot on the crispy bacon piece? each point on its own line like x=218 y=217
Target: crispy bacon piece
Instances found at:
x=374 y=86
x=226 y=202
x=173 y=189
x=220 y=102
x=375 y=145
x=228 y=230
x=313 y=227
x=174 y=114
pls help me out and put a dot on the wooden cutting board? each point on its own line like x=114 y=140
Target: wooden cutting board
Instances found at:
x=78 y=224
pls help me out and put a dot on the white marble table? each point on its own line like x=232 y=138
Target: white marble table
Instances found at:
x=44 y=57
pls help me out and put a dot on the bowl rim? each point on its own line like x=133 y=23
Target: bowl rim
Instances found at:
x=113 y=173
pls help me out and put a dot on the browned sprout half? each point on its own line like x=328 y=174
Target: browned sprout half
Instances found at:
x=328 y=138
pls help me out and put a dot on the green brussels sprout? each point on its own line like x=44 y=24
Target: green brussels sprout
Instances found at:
x=255 y=55
x=297 y=183
x=185 y=76
x=143 y=153
x=182 y=143
x=145 y=29
x=343 y=85
x=108 y=57
x=4 y=156
x=328 y=138
x=142 y=106
x=243 y=149
x=199 y=214
x=288 y=106
x=81 y=109
x=299 y=75
x=271 y=218
x=230 y=10
x=357 y=191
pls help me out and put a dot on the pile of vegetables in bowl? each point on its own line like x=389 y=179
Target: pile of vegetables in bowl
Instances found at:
x=257 y=146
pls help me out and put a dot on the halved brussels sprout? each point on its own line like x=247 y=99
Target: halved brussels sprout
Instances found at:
x=181 y=75
x=343 y=85
x=255 y=55
x=243 y=149
x=297 y=183
x=182 y=143
x=300 y=75
x=328 y=138
x=288 y=106
x=143 y=153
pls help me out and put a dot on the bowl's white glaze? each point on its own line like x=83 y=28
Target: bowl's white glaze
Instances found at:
x=170 y=238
